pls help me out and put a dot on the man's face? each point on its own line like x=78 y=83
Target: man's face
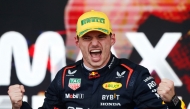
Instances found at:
x=95 y=47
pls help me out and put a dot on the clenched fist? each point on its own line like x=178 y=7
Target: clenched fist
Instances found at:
x=16 y=93
x=166 y=90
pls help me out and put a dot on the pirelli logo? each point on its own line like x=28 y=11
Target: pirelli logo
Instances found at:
x=93 y=19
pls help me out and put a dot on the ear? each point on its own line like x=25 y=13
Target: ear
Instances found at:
x=113 y=40
x=76 y=41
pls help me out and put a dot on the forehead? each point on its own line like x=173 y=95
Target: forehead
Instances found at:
x=94 y=33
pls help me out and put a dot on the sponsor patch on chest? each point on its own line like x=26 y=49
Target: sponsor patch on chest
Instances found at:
x=112 y=85
x=74 y=83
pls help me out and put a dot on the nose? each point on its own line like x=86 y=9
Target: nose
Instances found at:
x=94 y=42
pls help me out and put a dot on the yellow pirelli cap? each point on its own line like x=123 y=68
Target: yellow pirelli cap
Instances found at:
x=93 y=21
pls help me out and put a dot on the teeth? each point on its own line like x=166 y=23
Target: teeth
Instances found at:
x=95 y=51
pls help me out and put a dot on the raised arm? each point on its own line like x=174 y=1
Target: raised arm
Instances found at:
x=16 y=93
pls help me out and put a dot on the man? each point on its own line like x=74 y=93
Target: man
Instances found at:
x=101 y=80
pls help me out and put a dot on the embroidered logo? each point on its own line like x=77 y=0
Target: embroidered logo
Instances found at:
x=74 y=95
x=111 y=63
x=120 y=75
x=112 y=85
x=71 y=73
x=74 y=83
x=93 y=75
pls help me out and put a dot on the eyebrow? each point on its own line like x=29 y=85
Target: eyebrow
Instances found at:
x=102 y=34
x=86 y=36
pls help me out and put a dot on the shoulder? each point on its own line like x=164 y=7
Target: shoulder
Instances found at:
x=131 y=65
x=70 y=66
x=60 y=76
x=137 y=73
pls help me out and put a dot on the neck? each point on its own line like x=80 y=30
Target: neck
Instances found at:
x=90 y=69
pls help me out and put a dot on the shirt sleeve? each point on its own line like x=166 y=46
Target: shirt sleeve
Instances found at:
x=25 y=105
x=145 y=92
x=53 y=95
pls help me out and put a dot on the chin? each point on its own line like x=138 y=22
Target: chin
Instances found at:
x=96 y=64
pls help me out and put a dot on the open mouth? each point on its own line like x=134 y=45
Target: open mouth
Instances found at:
x=95 y=54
